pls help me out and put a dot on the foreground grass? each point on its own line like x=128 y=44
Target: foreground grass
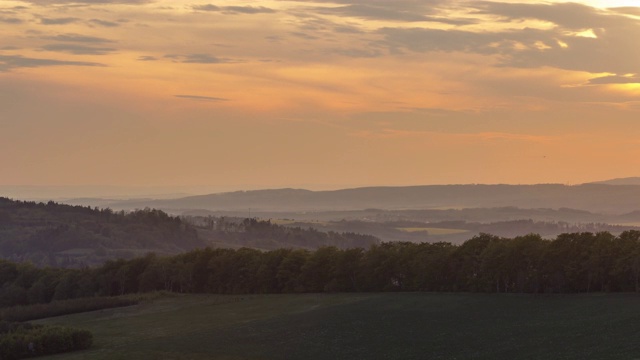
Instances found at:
x=366 y=326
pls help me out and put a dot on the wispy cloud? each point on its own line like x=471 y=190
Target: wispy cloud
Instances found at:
x=58 y=21
x=78 y=49
x=564 y=46
x=201 y=98
x=421 y=4
x=199 y=59
x=359 y=53
x=629 y=10
x=207 y=7
x=104 y=23
x=88 y=2
x=390 y=12
x=481 y=136
x=303 y=35
x=10 y=20
x=78 y=38
x=570 y=15
x=615 y=79
x=234 y=9
x=8 y=62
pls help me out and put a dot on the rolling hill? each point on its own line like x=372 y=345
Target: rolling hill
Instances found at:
x=51 y=234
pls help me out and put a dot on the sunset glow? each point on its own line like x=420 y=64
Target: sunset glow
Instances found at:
x=317 y=94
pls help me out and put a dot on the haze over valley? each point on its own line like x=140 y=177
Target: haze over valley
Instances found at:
x=430 y=213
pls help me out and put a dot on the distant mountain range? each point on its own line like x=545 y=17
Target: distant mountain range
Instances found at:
x=620 y=181
x=597 y=198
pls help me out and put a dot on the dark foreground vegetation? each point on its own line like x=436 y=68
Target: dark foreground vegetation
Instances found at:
x=19 y=341
x=572 y=263
x=64 y=307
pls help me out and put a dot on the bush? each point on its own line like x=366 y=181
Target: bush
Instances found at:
x=19 y=341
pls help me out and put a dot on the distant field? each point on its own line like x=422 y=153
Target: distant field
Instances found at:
x=283 y=221
x=291 y=222
x=131 y=252
x=435 y=231
x=366 y=326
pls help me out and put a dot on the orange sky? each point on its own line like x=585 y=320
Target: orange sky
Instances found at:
x=223 y=95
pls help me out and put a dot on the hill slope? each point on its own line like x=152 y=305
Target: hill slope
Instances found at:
x=56 y=234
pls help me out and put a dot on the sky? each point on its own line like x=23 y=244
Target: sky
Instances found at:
x=319 y=94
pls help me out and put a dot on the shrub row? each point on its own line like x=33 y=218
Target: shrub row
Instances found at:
x=19 y=341
x=64 y=307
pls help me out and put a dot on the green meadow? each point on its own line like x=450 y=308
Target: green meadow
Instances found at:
x=365 y=326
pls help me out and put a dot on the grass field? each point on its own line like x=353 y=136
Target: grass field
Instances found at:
x=435 y=231
x=366 y=326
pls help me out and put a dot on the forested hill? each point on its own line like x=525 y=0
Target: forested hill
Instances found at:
x=51 y=234
x=263 y=235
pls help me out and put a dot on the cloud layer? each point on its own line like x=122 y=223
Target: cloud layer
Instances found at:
x=340 y=91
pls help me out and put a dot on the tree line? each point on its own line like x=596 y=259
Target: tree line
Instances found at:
x=573 y=262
